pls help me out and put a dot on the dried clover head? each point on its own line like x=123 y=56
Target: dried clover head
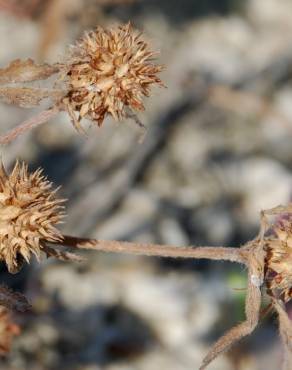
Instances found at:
x=278 y=273
x=29 y=212
x=108 y=72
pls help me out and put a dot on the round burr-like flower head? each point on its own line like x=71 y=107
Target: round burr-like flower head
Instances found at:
x=109 y=72
x=29 y=212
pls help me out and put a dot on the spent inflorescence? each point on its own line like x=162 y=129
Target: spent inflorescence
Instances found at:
x=108 y=73
x=29 y=211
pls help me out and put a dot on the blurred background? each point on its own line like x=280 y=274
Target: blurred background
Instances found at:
x=217 y=151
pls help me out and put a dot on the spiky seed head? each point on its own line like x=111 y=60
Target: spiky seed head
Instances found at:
x=108 y=72
x=29 y=212
x=279 y=260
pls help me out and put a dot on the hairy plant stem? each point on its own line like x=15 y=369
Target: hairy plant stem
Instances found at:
x=29 y=124
x=214 y=253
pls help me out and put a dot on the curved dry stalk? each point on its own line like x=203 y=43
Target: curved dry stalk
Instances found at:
x=213 y=253
x=252 y=310
x=29 y=124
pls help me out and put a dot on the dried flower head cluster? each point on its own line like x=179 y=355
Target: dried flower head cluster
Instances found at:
x=109 y=72
x=29 y=212
x=278 y=274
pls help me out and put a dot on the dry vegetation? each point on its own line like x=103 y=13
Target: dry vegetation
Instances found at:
x=109 y=72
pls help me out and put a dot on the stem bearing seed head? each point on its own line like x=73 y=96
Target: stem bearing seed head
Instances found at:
x=108 y=72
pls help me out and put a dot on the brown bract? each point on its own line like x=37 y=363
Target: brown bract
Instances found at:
x=279 y=260
x=29 y=212
x=108 y=72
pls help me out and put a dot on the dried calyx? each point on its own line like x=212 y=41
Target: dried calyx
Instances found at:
x=109 y=72
x=279 y=259
x=29 y=211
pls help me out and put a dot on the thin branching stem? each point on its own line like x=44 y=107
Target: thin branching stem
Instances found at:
x=29 y=124
x=214 y=253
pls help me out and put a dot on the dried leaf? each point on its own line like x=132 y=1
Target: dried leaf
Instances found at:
x=26 y=71
x=13 y=300
x=23 y=97
x=62 y=255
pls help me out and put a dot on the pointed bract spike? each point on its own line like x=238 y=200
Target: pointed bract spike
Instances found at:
x=3 y=174
x=15 y=172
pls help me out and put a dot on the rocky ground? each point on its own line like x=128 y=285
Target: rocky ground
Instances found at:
x=217 y=151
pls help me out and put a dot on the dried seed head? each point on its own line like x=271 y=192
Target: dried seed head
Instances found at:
x=279 y=260
x=28 y=213
x=7 y=331
x=109 y=72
